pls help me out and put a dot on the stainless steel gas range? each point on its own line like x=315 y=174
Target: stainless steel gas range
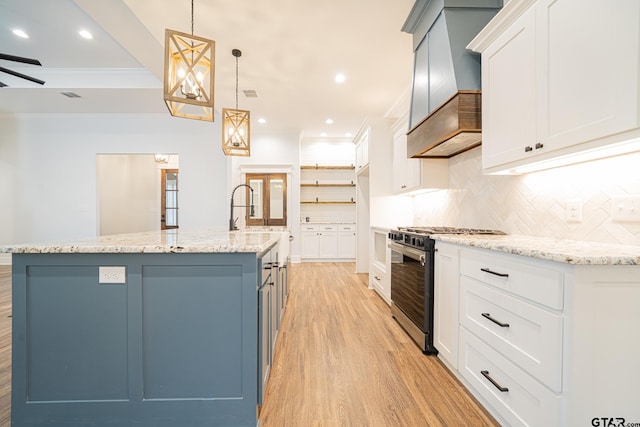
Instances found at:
x=412 y=279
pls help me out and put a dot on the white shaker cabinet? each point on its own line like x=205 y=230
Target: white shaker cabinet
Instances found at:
x=445 y=302
x=336 y=242
x=362 y=152
x=560 y=80
x=412 y=176
x=347 y=241
x=540 y=342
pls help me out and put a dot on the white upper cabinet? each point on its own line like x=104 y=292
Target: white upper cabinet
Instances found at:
x=560 y=81
x=362 y=152
x=416 y=175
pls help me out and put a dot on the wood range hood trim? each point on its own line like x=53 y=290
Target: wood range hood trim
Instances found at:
x=451 y=129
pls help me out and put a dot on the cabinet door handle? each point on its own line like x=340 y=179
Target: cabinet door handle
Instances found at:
x=486 y=270
x=494 y=382
x=539 y=145
x=376 y=277
x=528 y=148
x=497 y=322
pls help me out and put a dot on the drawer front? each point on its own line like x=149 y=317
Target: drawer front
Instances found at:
x=525 y=402
x=347 y=227
x=307 y=227
x=528 y=279
x=328 y=227
x=527 y=335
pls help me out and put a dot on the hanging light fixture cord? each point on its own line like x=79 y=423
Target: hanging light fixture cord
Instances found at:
x=236 y=82
x=191 y=17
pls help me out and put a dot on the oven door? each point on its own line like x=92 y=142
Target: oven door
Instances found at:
x=408 y=282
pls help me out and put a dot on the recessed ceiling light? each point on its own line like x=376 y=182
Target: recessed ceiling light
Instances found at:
x=329 y=121
x=323 y=134
x=18 y=32
x=262 y=120
x=348 y=134
x=340 y=78
x=85 y=34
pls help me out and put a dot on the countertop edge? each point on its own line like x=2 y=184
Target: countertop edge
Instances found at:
x=564 y=251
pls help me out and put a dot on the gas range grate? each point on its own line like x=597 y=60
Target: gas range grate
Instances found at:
x=449 y=230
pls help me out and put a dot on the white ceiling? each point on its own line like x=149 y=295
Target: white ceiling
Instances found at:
x=291 y=51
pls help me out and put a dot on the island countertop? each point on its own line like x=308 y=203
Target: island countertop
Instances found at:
x=206 y=240
x=559 y=250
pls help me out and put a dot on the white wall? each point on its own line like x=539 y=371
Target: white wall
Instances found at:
x=48 y=170
x=128 y=193
x=535 y=204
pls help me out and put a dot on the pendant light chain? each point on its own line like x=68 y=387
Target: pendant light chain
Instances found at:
x=236 y=82
x=191 y=17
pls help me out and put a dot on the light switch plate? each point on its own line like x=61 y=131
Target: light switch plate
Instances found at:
x=112 y=274
x=625 y=208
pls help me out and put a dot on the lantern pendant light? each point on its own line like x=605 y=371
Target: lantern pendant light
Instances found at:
x=189 y=74
x=236 y=138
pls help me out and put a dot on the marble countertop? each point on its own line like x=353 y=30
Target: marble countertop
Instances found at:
x=161 y=241
x=559 y=250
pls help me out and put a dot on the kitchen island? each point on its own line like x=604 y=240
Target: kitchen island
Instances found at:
x=147 y=329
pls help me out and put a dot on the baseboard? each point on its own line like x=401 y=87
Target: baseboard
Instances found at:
x=5 y=259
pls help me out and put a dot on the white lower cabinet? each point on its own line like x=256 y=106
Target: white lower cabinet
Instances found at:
x=328 y=241
x=539 y=343
x=347 y=241
x=515 y=395
x=445 y=301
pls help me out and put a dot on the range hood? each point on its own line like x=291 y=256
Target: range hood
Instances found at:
x=446 y=111
x=451 y=129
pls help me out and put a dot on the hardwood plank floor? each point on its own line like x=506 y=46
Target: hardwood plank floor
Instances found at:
x=5 y=345
x=343 y=361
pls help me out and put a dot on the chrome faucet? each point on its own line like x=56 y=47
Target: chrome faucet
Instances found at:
x=232 y=222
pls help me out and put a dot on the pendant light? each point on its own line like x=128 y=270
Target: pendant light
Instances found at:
x=236 y=138
x=188 y=74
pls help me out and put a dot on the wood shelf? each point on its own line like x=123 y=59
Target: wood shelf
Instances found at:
x=325 y=167
x=313 y=202
x=327 y=185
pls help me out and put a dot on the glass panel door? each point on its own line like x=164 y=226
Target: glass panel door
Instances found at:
x=169 y=199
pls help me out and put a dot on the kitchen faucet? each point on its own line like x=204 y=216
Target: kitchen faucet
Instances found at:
x=232 y=222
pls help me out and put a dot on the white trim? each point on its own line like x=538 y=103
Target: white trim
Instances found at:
x=503 y=19
x=250 y=168
x=5 y=259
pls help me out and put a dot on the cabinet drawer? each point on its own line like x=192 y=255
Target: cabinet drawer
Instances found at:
x=308 y=227
x=528 y=279
x=327 y=227
x=526 y=403
x=529 y=336
x=346 y=227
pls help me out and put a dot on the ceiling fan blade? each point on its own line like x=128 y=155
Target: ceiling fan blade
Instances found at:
x=19 y=59
x=2 y=84
x=22 y=76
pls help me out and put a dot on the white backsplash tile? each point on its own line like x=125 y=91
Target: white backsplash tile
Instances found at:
x=535 y=204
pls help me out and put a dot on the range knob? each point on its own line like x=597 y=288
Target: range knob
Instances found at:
x=419 y=242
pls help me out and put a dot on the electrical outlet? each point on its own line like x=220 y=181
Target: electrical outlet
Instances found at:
x=574 y=210
x=625 y=208
x=112 y=274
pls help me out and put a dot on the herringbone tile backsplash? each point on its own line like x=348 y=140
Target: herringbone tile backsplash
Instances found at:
x=535 y=204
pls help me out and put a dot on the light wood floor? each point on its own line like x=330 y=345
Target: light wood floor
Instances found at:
x=343 y=361
x=5 y=345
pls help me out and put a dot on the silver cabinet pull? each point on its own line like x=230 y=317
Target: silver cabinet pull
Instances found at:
x=497 y=322
x=494 y=382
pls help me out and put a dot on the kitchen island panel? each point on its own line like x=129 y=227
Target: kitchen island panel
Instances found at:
x=75 y=325
x=206 y=302
x=177 y=350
